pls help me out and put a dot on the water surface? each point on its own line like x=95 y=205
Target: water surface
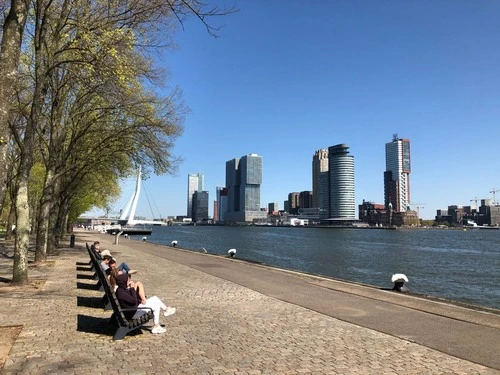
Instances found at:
x=452 y=264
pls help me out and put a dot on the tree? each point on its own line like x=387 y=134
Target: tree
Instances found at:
x=89 y=104
x=10 y=50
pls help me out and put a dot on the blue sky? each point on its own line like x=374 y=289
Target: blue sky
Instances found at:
x=288 y=77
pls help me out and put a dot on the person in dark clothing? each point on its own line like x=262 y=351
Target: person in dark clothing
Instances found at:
x=95 y=247
x=128 y=298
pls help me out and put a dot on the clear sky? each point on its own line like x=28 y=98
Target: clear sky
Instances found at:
x=288 y=77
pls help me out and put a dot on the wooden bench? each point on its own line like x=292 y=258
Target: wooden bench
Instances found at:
x=118 y=319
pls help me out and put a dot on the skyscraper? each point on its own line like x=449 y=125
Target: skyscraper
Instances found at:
x=338 y=204
x=221 y=202
x=195 y=183
x=243 y=179
x=319 y=167
x=305 y=199
x=397 y=174
x=200 y=205
x=293 y=203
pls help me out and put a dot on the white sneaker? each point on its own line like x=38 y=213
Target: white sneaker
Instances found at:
x=169 y=311
x=158 y=330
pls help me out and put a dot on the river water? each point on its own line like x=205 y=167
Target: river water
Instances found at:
x=453 y=264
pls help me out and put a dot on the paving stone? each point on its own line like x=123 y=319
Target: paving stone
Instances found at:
x=219 y=328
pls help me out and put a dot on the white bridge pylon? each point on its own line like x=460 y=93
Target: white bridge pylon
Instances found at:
x=128 y=213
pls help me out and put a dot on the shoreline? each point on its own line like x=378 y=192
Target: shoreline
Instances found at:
x=480 y=308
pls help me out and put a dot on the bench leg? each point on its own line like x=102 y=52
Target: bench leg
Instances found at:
x=121 y=333
x=107 y=304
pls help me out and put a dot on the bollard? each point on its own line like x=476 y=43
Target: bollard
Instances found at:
x=72 y=240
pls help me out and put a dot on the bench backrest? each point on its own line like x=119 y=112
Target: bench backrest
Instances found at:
x=108 y=289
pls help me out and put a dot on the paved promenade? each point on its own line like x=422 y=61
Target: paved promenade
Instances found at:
x=235 y=317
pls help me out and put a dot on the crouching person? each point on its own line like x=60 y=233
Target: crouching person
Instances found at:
x=128 y=298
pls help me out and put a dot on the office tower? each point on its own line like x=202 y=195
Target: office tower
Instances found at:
x=195 y=183
x=305 y=199
x=319 y=167
x=221 y=193
x=243 y=179
x=339 y=204
x=397 y=174
x=293 y=203
x=272 y=208
x=200 y=205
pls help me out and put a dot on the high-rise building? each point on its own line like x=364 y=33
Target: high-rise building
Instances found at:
x=339 y=204
x=397 y=174
x=195 y=183
x=305 y=199
x=243 y=180
x=319 y=168
x=200 y=205
x=272 y=208
x=293 y=203
x=221 y=202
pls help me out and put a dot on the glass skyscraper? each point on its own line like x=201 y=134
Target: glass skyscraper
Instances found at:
x=319 y=168
x=341 y=202
x=195 y=183
x=243 y=180
x=397 y=174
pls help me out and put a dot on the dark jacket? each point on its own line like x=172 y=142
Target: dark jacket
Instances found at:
x=126 y=296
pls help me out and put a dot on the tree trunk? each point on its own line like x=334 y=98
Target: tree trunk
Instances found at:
x=11 y=220
x=43 y=217
x=53 y=218
x=10 y=50
x=22 y=236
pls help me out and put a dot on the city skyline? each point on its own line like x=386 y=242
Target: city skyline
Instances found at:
x=353 y=72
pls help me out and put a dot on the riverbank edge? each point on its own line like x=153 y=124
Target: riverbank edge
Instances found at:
x=481 y=315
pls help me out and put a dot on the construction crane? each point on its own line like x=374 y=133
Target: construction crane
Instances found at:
x=418 y=206
x=494 y=199
x=475 y=201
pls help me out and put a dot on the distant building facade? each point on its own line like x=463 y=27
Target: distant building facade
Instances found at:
x=273 y=208
x=397 y=174
x=293 y=203
x=243 y=180
x=221 y=202
x=379 y=216
x=200 y=206
x=338 y=206
x=485 y=215
x=306 y=199
x=319 y=168
x=195 y=183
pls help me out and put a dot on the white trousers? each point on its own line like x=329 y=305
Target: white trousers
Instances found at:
x=154 y=303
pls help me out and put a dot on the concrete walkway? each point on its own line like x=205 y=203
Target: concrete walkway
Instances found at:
x=235 y=317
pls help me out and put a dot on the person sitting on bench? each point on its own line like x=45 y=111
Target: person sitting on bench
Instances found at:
x=127 y=296
x=106 y=259
x=137 y=285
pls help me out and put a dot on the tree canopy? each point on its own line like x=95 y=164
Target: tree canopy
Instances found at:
x=81 y=111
